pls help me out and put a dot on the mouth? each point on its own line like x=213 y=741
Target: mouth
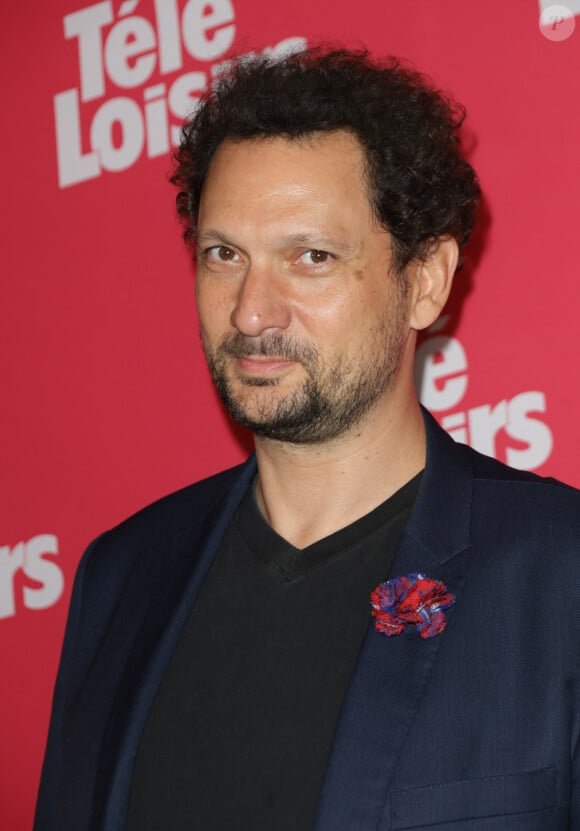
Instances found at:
x=263 y=365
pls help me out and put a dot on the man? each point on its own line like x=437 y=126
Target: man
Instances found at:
x=365 y=626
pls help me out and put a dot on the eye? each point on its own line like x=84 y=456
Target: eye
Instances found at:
x=220 y=253
x=315 y=256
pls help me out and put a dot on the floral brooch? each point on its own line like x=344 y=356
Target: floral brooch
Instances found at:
x=412 y=600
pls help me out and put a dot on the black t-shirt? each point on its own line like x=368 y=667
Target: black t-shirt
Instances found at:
x=241 y=729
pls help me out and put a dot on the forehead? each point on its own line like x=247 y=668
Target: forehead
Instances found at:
x=316 y=172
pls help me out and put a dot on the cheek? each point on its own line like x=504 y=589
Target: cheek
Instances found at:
x=213 y=309
x=335 y=327
x=323 y=307
x=344 y=312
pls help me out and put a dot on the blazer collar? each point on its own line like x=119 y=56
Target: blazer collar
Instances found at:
x=441 y=517
x=192 y=556
x=392 y=674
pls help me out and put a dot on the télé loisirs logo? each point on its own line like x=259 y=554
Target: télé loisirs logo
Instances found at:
x=116 y=112
x=515 y=425
x=29 y=575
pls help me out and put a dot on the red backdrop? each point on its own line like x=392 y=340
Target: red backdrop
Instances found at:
x=106 y=402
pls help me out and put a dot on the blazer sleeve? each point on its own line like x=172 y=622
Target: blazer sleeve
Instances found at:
x=47 y=801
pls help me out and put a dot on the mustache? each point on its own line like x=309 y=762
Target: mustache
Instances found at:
x=271 y=345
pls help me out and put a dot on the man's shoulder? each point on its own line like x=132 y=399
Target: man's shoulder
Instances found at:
x=493 y=473
x=171 y=523
x=183 y=508
x=522 y=499
x=467 y=480
x=455 y=466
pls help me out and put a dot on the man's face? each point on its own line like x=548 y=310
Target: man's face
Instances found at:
x=302 y=322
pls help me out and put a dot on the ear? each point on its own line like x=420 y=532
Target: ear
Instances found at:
x=430 y=282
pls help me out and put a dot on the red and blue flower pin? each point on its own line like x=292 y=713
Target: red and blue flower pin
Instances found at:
x=411 y=601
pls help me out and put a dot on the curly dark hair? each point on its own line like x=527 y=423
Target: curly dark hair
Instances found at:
x=420 y=186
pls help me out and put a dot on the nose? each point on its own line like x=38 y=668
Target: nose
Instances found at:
x=260 y=303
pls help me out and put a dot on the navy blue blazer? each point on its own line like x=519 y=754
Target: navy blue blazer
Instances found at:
x=477 y=729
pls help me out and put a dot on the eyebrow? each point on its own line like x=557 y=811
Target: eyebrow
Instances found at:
x=320 y=241
x=311 y=240
x=212 y=235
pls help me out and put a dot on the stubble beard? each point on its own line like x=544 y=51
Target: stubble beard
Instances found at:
x=329 y=402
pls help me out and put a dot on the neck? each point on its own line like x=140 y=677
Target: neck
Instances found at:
x=307 y=492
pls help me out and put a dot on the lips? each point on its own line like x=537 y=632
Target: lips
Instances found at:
x=261 y=364
x=268 y=355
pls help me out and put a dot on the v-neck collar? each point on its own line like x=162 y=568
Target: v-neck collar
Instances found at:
x=294 y=562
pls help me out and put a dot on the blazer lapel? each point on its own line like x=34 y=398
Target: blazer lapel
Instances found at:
x=161 y=628
x=392 y=673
